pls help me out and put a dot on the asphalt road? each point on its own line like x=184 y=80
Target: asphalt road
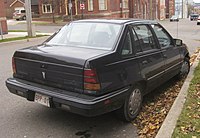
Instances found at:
x=186 y=30
x=21 y=25
x=20 y=118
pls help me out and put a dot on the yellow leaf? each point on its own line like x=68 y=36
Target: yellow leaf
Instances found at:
x=194 y=136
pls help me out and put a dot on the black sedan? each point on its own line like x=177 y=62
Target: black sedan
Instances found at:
x=91 y=67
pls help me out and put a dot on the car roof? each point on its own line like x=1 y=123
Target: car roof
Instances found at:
x=117 y=21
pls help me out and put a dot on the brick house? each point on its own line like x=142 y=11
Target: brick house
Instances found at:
x=12 y=5
x=146 y=9
x=170 y=8
x=3 y=18
x=47 y=7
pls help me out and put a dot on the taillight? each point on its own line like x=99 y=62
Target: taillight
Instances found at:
x=91 y=82
x=13 y=65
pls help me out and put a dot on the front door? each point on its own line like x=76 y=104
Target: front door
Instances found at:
x=149 y=55
x=171 y=53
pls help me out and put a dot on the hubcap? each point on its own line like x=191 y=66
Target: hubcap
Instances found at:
x=185 y=68
x=134 y=101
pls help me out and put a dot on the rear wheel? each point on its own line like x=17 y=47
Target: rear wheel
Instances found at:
x=132 y=105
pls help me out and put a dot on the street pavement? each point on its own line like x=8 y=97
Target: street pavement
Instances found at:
x=20 y=118
x=186 y=30
x=41 y=27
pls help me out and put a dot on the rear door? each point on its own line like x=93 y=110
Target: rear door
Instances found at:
x=149 y=55
x=171 y=53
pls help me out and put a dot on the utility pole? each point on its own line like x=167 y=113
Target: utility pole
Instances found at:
x=53 y=17
x=28 y=17
x=182 y=8
x=151 y=10
x=1 y=29
x=70 y=9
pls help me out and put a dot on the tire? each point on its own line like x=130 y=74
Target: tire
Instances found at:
x=24 y=18
x=184 y=69
x=132 y=105
x=198 y=23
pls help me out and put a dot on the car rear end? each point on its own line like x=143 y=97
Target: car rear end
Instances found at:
x=194 y=17
x=198 y=21
x=65 y=76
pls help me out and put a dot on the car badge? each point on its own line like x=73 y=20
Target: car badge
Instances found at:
x=44 y=75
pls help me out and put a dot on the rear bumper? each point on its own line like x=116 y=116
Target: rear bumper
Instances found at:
x=17 y=17
x=73 y=102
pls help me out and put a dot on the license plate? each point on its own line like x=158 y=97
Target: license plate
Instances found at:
x=42 y=99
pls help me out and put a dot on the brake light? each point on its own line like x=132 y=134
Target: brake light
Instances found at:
x=91 y=82
x=13 y=65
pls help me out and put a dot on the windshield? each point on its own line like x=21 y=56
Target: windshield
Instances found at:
x=89 y=35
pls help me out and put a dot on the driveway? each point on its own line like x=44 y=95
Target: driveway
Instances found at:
x=20 y=118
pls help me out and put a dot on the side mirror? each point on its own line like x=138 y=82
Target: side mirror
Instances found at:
x=178 y=42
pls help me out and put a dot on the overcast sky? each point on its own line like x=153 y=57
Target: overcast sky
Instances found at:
x=196 y=1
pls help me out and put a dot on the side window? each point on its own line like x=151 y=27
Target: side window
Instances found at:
x=163 y=38
x=23 y=11
x=136 y=42
x=127 y=47
x=145 y=37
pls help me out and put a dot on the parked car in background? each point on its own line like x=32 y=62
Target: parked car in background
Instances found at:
x=91 y=67
x=198 y=21
x=194 y=17
x=19 y=14
x=174 y=18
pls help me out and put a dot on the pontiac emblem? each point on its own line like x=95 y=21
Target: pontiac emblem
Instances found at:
x=44 y=75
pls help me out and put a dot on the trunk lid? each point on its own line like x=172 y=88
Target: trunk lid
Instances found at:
x=56 y=66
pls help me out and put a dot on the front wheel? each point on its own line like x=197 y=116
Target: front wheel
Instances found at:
x=132 y=105
x=24 y=18
x=185 y=68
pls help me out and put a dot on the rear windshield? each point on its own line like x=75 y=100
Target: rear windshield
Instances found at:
x=89 y=35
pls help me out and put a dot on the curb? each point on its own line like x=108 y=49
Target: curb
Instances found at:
x=169 y=123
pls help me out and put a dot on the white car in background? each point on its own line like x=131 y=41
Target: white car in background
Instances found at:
x=198 y=21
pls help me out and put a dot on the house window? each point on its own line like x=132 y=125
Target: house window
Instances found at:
x=102 y=4
x=47 y=8
x=90 y=5
x=125 y=3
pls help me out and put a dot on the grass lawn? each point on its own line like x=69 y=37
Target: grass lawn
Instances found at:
x=19 y=38
x=19 y=31
x=188 y=124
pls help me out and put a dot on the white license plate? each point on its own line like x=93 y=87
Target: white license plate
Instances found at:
x=42 y=99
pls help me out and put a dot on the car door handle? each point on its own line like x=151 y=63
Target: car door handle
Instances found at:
x=144 y=62
x=165 y=56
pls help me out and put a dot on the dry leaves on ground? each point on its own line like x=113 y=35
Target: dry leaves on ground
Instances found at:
x=157 y=104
